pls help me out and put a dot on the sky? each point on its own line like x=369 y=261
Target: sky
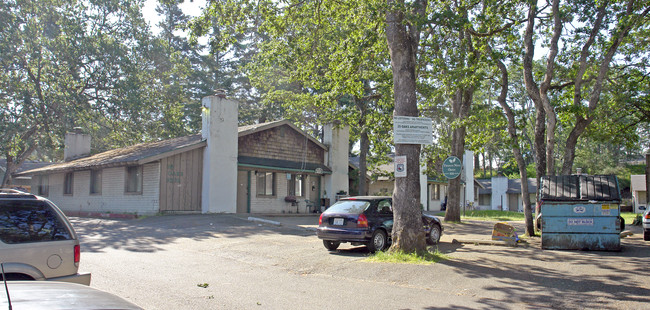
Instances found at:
x=192 y=9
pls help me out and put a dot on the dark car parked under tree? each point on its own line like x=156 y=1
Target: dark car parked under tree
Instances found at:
x=366 y=220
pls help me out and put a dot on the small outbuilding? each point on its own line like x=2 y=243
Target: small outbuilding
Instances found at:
x=639 y=193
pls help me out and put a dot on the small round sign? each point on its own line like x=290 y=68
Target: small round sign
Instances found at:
x=451 y=167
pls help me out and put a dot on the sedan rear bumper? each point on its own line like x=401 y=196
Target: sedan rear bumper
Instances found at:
x=343 y=235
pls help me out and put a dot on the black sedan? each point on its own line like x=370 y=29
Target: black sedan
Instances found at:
x=366 y=220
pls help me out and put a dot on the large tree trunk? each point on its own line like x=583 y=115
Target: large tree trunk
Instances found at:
x=363 y=162
x=516 y=150
x=362 y=106
x=454 y=201
x=460 y=109
x=551 y=118
x=545 y=163
x=403 y=40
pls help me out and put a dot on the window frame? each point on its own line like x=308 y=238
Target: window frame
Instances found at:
x=435 y=191
x=43 y=188
x=128 y=179
x=95 y=177
x=68 y=184
x=291 y=185
x=261 y=191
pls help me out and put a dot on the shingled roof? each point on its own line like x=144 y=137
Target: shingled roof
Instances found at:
x=250 y=129
x=132 y=155
x=149 y=152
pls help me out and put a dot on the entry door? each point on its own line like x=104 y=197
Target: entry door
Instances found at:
x=243 y=184
x=513 y=203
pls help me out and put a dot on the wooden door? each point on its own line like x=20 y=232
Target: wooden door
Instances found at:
x=243 y=189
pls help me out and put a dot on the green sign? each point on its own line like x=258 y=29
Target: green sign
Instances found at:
x=451 y=167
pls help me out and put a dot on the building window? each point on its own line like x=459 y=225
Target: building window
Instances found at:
x=43 y=185
x=95 y=182
x=133 y=180
x=265 y=184
x=435 y=191
x=68 y=182
x=295 y=185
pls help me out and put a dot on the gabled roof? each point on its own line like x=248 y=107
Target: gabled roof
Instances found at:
x=132 y=155
x=251 y=129
x=149 y=152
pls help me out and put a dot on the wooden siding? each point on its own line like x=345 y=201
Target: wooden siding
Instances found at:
x=281 y=142
x=180 y=182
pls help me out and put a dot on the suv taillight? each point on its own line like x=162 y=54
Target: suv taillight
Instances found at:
x=77 y=254
x=320 y=220
x=362 y=222
x=647 y=216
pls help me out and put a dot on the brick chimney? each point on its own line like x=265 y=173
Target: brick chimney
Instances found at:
x=77 y=145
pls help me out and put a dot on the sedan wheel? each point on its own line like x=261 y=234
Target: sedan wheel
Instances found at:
x=331 y=245
x=378 y=241
x=434 y=236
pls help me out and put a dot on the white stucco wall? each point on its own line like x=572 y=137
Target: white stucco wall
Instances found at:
x=337 y=158
x=436 y=204
x=112 y=199
x=499 y=196
x=220 y=155
x=468 y=170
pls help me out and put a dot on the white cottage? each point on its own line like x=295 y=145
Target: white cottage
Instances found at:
x=639 y=193
x=264 y=168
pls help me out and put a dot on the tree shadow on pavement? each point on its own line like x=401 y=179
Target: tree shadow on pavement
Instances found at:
x=149 y=233
x=534 y=278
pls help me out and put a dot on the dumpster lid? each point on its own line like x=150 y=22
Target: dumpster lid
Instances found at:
x=580 y=188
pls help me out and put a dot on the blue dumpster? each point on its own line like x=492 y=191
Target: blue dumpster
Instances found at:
x=580 y=212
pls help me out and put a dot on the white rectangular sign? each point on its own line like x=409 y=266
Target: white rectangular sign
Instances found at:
x=580 y=222
x=400 y=166
x=412 y=130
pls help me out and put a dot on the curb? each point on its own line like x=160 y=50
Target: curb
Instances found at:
x=101 y=215
x=261 y=220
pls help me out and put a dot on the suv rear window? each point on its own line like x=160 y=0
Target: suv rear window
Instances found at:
x=349 y=207
x=30 y=221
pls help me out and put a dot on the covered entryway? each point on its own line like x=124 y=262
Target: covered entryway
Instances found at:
x=513 y=203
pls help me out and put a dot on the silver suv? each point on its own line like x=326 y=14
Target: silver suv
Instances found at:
x=37 y=241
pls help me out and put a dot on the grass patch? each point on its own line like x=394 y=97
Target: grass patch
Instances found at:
x=488 y=215
x=492 y=215
x=407 y=258
x=628 y=217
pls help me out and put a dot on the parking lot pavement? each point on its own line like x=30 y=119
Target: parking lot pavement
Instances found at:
x=228 y=262
x=307 y=221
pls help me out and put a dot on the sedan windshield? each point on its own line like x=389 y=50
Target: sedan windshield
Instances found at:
x=348 y=207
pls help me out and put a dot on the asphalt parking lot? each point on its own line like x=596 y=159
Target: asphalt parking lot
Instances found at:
x=229 y=262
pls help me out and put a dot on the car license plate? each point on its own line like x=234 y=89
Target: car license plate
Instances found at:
x=338 y=221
